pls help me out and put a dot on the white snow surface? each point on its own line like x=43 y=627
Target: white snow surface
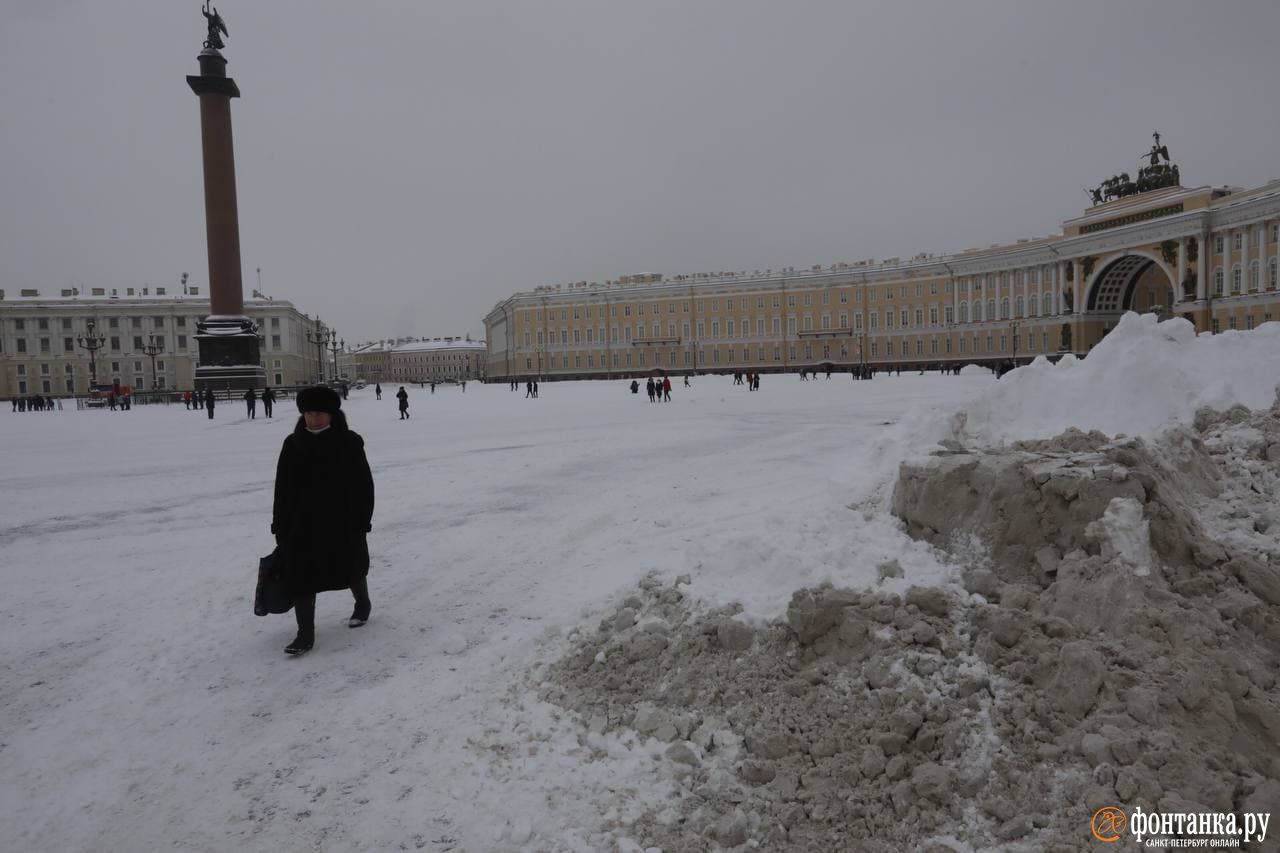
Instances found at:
x=143 y=706
x=1141 y=378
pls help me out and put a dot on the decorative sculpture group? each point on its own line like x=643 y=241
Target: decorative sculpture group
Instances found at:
x=217 y=28
x=1154 y=176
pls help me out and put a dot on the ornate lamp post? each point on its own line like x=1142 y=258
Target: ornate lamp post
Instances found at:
x=317 y=338
x=335 y=346
x=91 y=342
x=151 y=349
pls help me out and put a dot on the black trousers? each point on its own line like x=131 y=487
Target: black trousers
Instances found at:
x=304 y=606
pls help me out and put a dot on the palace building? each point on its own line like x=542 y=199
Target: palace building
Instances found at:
x=1206 y=254
x=417 y=360
x=148 y=339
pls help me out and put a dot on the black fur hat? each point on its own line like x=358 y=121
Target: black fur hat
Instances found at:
x=319 y=399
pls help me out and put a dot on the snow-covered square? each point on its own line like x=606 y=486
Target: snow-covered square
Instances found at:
x=526 y=554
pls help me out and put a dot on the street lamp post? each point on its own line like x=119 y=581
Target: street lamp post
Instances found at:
x=334 y=347
x=151 y=349
x=317 y=339
x=92 y=343
x=1013 y=327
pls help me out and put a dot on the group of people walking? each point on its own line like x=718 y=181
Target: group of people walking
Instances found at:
x=751 y=380
x=206 y=401
x=251 y=402
x=34 y=403
x=200 y=400
x=657 y=387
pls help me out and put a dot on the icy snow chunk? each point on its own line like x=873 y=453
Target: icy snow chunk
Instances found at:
x=1124 y=535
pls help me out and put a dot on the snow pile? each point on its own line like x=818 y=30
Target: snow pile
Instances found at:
x=1106 y=635
x=1143 y=376
x=800 y=735
x=1106 y=649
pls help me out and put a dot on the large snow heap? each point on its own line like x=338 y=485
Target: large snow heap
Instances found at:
x=1109 y=636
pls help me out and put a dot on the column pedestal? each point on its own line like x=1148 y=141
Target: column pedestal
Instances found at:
x=230 y=356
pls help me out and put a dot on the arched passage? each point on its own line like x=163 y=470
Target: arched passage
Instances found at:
x=1131 y=282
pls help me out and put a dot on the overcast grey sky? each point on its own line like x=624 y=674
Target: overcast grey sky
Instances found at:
x=403 y=166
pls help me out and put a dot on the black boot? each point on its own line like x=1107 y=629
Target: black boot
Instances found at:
x=301 y=644
x=304 y=610
x=360 y=615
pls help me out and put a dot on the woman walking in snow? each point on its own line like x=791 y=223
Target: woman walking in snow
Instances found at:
x=322 y=511
x=403 y=396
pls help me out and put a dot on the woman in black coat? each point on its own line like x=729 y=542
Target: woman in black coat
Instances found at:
x=322 y=511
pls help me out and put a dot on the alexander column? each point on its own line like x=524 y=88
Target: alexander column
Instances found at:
x=228 y=340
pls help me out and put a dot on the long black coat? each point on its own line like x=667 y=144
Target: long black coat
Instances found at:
x=323 y=507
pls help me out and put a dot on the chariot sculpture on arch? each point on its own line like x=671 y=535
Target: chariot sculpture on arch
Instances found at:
x=1154 y=176
x=217 y=27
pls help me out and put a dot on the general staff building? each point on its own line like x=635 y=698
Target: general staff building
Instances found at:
x=1207 y=254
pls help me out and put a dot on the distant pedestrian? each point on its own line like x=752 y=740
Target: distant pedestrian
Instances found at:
x=377 y=390
x=464 y=386
x=648 y=387
x=535 y=389
x=197 y=399
x=403 y=396
x=322 y=512
x=208 y=402
x=635 y=387
x=268 y=400
x=528 y=389
x=686 y=380
x=186 y=398
x=251 y=404
x=666 y=389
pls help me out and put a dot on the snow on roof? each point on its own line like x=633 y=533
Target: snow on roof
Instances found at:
x=437 y=344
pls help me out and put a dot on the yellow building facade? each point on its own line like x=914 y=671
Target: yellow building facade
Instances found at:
x=1207 y=254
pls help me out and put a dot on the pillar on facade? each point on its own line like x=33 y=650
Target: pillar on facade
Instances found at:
x=227 y=339
x=1204 y=259
x=1178 y=294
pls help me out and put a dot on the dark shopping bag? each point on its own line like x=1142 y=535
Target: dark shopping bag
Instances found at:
x=272 y=594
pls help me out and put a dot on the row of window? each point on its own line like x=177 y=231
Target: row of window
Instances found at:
x=70 y=370
x=906 y=348
x=1215 y=324
x=1255 y=278
x=157 y=322
x=113 y=344
x=46 y=381
x=534 y=317
x=1255 y=236
x=1032 y=307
